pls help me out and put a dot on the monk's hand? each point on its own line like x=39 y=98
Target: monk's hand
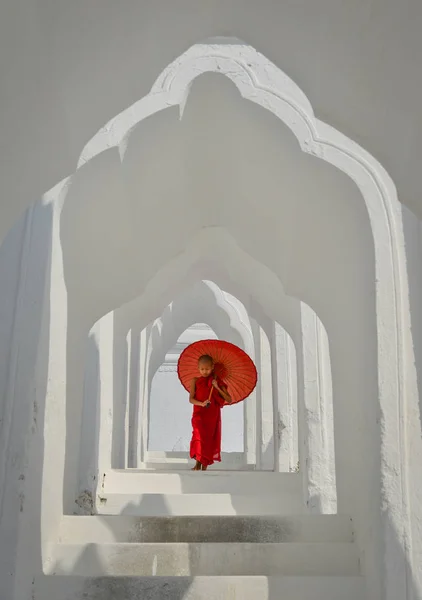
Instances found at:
x=215 y=384
x=206 y=403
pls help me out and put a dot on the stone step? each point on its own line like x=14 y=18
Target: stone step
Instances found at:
x=132 y=481
x=230 y=461
x=225 y=559
x=198 y=588
x=109 y=529
x=196 y=504
x=186 y=465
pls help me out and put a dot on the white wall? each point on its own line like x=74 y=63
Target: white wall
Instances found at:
x=10 y=274
x=312 y=233
x=25 y=308
x=359 y=68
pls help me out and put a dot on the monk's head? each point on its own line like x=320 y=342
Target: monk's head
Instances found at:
x=205 y=365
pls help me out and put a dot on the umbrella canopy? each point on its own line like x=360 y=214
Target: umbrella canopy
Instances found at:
x=231 y=364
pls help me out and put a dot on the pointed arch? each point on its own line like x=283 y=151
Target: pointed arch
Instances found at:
x=260 y=81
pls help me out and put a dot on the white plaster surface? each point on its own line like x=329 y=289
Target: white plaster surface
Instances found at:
x=170 y=560
x=201 y=588
x=328 y=232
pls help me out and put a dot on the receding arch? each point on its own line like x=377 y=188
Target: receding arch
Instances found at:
x=288 y=103
x=172 y=435
x=202 y=303
x=239 y=270
x=260 y=81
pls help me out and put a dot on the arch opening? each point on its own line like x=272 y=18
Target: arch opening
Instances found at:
x=170 y=413
x=209 y=244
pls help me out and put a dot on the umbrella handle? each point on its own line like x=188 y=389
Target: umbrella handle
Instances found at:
x=209 y=397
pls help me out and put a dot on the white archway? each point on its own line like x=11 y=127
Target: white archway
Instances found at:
x=280 y=430
x=202 y=303
x=239 y=272
x=259 y=81
x=264 y=84
x=205 y=302
x=143 y=351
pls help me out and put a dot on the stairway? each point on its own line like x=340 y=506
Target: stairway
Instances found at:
x=213 y=535
x=193 y=494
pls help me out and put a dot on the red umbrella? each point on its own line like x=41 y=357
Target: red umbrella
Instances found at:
x=231 y=364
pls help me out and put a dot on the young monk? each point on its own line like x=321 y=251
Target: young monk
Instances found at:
x=207 y=394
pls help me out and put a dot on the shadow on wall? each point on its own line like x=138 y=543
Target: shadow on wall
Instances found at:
x=22 y=496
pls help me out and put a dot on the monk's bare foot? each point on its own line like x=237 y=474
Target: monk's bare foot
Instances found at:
x=204 y=467
x=197 y=467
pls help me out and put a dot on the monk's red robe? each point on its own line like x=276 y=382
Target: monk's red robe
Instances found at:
x=206 y=423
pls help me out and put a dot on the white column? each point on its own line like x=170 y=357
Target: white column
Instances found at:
x=143 y=414
x=267 y=437
x=317 y=417
x=120 y=369
x=126 y=402
x=257 y=417
x=35 y=453
x=88 y=456
x=134 y=397
x=264 y=401
x=55 y=415
x=106 y=406
x=249 y=411
x=284 y=377
x=249 y=429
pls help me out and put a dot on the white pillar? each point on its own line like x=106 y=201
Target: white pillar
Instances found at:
x=144 y=391
x=317 y=417
x=264 y=401
x=249 y=429
x=267 y=437
x=249 y=411
x=284 y=378
x=106 y=407
x=134 y=398
x=258 y=413
x=120 y=369
x=33 y=489
x=126 y=402
x=56 y=410
x=88 y=456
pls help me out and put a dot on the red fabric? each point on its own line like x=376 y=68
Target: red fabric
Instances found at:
x=231 y=364
x=206 y=423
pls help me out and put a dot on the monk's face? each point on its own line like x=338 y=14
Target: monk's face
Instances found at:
x=205 y=368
